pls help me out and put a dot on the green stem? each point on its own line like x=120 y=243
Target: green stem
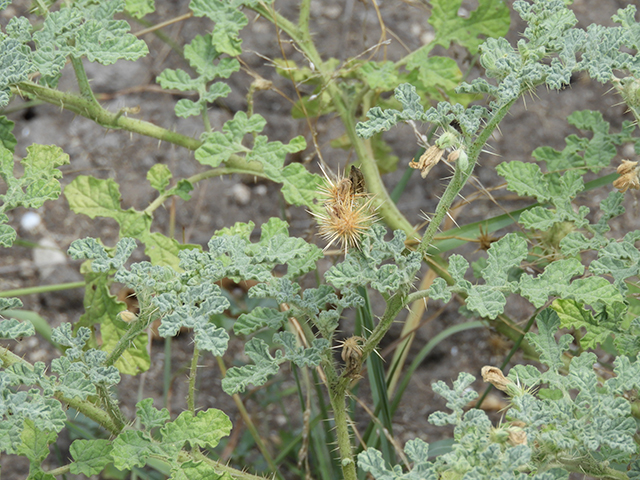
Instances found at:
x=63 y=470
x=303 y=18
x=83 y=81
x=339 y=405
x=235 y=164
x=461 y=176
x=220 y=467
x=110 y=406
x=191 y=398
x=394 y=304
x=18 y=292
x=205 y=119
x=101 y=116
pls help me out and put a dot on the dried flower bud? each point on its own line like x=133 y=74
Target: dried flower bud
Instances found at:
x=495 y=377
x=453 y=156
x=517 y=436
x=127 y=316
x=262 y=84
x=628 y=171
x=428 y=160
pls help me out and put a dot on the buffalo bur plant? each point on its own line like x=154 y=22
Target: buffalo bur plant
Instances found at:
x=563 y=416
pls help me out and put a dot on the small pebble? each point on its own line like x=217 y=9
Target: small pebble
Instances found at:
x=241 y=193
x=260 y=190
x=30 y=220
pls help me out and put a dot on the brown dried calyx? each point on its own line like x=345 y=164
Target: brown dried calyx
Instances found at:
x=628 y=171
x=352 y=356
x=495 y=377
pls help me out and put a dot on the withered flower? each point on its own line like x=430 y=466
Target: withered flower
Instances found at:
x=495 y=377
x=428 y=160
x=628 y=171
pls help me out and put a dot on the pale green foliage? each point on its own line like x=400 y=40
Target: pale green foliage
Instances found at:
x=573 y=419
x=229 y=20
x=38 y=183
x=578 y=416
x=491 y=19
x=200 y=53
x=139 y=8
x=80 y=29
x=134 y=447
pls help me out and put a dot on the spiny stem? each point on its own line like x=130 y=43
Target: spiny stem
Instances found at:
x=94 y=111
x=461 y=176
x=193 y=372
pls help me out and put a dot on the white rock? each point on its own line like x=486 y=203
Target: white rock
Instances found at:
x=241 y=193
x=30 y=220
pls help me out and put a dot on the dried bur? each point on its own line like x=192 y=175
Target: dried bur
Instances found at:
x=628 y=172
x=347 y=210
x=352 y=356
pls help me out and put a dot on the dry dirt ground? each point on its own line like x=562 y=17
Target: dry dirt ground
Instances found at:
x=343 y=28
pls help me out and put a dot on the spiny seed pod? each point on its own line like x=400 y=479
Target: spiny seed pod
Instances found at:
x=347 y=210
x=352 y=356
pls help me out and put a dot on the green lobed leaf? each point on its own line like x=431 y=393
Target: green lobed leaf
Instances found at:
x=525 y=179
x=264 y=366
x=553 y=281
x=544 y=341
x=139 y=8
x=380 y=75
x=258 y=318
x=490 y=19
x=486 y=301
x=204 y=430
x=435 y=71
x=573 y=315
x=368 y=264
x=149 y=416
x=13 y=328
x=229 y=20
x=15 y=66
x=159 y=177
x=178 y=80
x=90 y=456
x=457 y=398
x=37 y=184
x=539 y=218
x=192 y=308
x=133 y=448
x=93 y=197
x=301 y=356
x=186 y=108
x=381 y=120
x=35 y=443
x=503 y=255
x=7 y=138
x=197 y=471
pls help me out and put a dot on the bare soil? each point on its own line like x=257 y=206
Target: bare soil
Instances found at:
x=344 y=28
